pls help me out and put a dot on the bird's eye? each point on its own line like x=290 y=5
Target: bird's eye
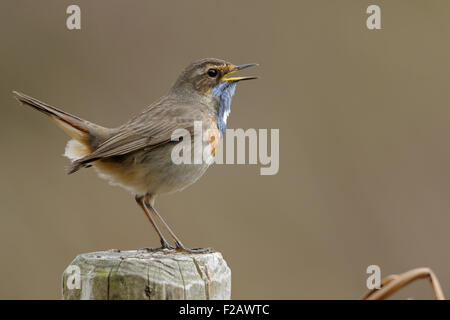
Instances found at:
x=212 y=73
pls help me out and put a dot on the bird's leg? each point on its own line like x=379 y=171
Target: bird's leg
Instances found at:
x=164 y=244
x=178 y=243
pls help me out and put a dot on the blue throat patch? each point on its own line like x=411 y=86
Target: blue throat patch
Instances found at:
x=224 y=91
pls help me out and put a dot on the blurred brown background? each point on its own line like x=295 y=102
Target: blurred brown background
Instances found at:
x=364 y=153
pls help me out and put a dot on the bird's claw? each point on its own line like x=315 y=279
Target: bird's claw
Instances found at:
x=181 y=248
x=164 y=247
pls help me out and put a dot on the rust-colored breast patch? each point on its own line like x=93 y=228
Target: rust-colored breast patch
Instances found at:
x=213 y=137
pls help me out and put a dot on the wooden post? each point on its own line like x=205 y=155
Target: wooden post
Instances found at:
x=160 y=275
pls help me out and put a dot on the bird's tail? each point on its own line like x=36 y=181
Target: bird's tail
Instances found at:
x=86 y=135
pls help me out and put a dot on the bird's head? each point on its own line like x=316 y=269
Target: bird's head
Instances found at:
x=213 y=79
x=204 y=75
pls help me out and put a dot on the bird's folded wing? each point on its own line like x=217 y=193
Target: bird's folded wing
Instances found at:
x=137 y=135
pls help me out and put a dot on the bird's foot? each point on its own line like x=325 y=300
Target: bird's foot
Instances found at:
x=165 y=246
x=181 y=248
x=160 y=249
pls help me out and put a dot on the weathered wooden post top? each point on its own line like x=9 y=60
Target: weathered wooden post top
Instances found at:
x=142 y=274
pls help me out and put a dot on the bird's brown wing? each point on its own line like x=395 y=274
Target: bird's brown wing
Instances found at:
x=149 y=130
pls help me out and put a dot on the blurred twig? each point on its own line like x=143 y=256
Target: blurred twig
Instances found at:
x=393 y=283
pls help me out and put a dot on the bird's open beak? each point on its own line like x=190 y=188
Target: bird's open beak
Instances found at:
x=237 y=68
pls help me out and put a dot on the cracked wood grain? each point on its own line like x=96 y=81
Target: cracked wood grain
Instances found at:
x=130 y=275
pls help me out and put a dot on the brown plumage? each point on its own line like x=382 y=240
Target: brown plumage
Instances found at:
x=137 y=154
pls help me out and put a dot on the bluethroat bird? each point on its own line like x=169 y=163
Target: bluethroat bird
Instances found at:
x=137 y=154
